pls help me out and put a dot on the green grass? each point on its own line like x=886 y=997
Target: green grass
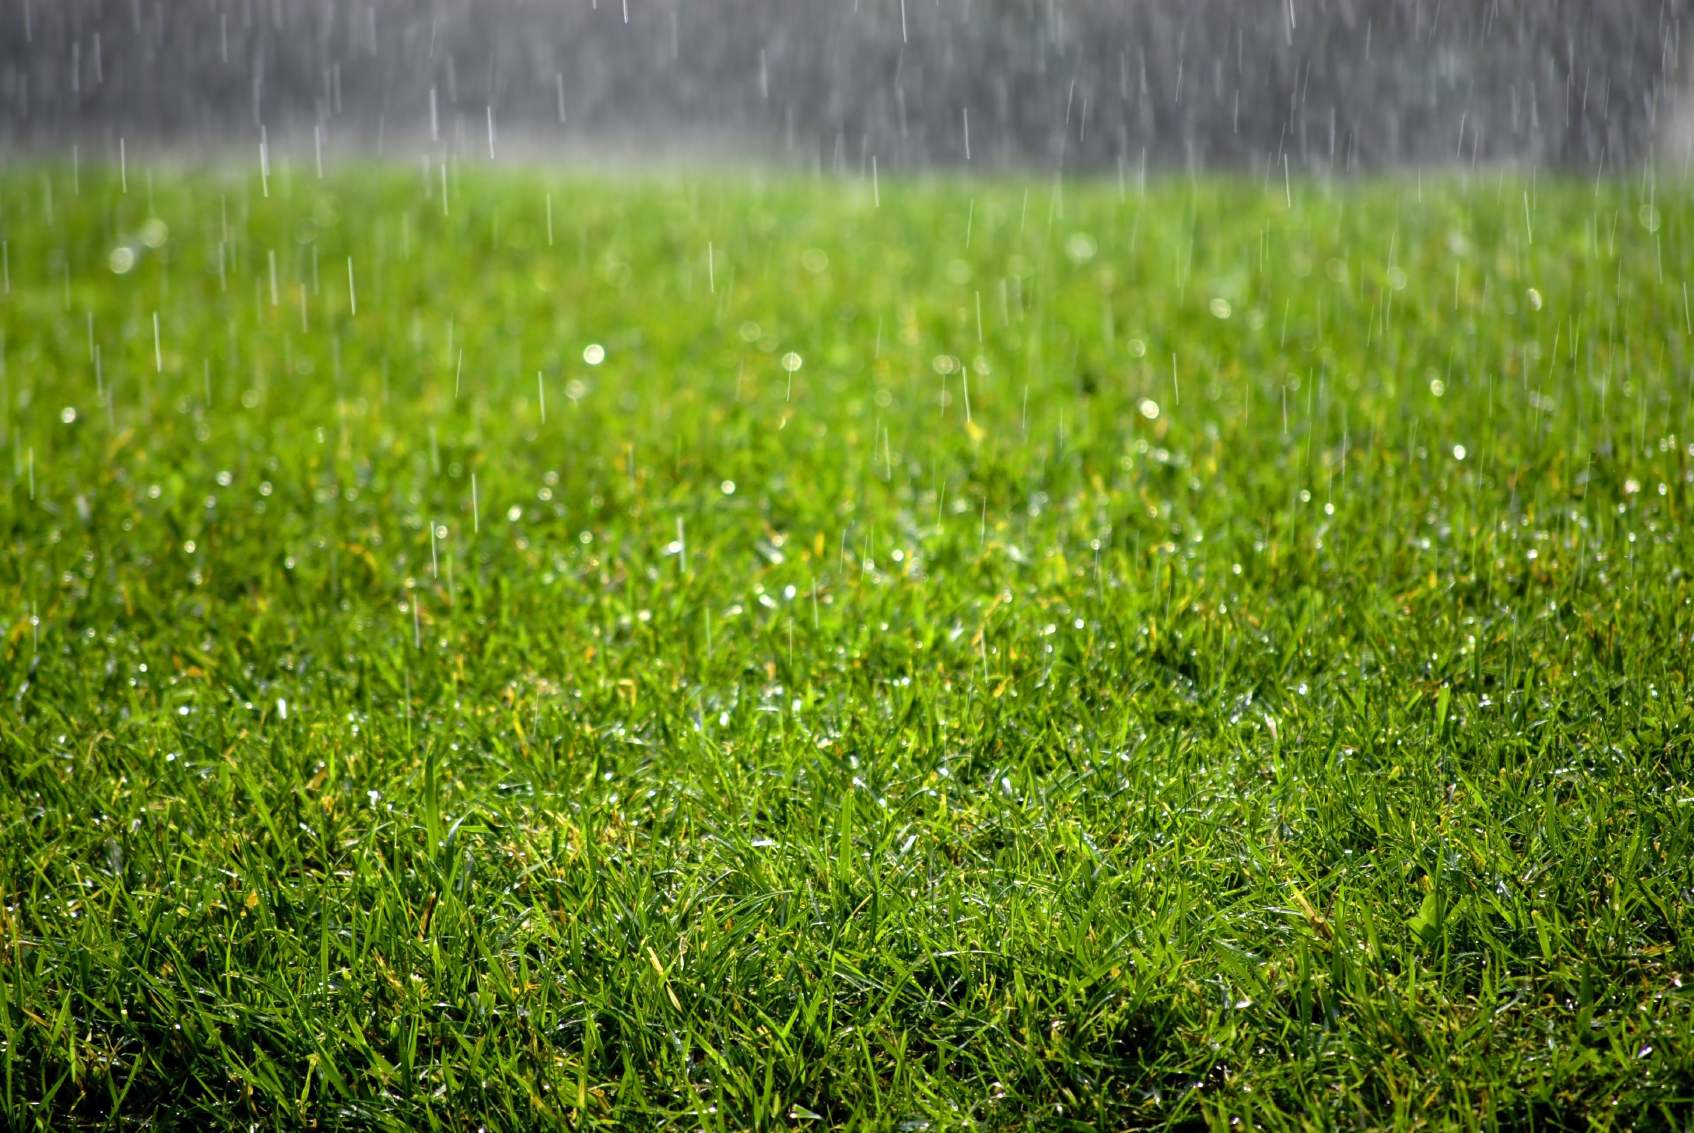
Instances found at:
x=1262 y=763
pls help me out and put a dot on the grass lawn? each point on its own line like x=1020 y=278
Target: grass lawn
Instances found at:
x=507 y=650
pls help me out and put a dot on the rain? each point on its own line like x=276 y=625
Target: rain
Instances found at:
x=1048 y=564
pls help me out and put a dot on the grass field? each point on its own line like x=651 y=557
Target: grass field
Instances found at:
x=500 y=650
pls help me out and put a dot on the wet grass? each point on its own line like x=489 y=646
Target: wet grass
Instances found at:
x=1206 y=657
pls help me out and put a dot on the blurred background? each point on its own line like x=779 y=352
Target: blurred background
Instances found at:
x=1316 y=87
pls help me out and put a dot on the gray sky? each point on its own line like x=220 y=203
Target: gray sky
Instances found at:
x=1319 y=85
